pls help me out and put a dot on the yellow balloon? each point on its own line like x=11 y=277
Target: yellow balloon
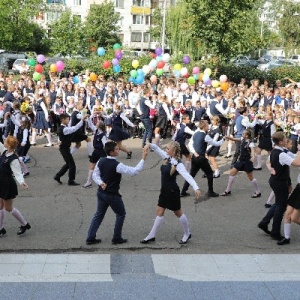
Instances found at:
x=177 y=67
x=135 y=63
x=215 y=83
x=207 y=71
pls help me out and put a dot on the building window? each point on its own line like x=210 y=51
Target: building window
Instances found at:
x=140 y=20
x=138 y=2
x=121 y=21
x=146 y=37
x=120 y=3
x=76 y=2
x=53 y=15
x=136 y=36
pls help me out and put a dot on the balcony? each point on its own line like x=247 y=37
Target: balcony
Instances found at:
x=139 y=10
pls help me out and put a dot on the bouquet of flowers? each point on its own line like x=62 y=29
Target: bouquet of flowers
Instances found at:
x=109 y=111
x=26 y=108
x=61 y=111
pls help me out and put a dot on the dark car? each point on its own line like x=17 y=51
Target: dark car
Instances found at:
x=9 y=57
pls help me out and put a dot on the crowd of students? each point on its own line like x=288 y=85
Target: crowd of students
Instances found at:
x=246 y=114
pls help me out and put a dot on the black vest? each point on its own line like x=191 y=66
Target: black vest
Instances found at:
x=282 y=172
x=145 y=109
x=65 y=139
x=5 y=162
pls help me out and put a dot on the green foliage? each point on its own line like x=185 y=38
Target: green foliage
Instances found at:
x=17 y=31
x=101 y=24
x=156 y=20
x=67 y=35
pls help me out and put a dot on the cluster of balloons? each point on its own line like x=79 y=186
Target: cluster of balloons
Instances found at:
x=115 y=62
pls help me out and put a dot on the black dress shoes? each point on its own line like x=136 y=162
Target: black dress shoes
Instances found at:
x=73 y=183
x=212 y=194
x=283 y=242
x=147 y=241
x=2 y=231
x=129 y=154
x=184 y=242
x=23 y=228
x=267 y=205
x=56 y=178
x=184 y=194
x=119 y=241
x=257 y=169
x=277 y=237
x=264 y=228
x=93 y=241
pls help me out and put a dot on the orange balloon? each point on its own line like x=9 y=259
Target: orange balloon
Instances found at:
x=224 y=86
x=201 y=76
x=53 y=68
x=93 y=76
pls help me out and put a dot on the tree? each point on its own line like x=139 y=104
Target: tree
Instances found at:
x=222 y=26
x=17 y=29
x=67 y=36
x=101 y=25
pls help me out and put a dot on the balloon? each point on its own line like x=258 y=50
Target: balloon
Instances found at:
x=93 y=76
x=196 y=76
x=130 y=79
x=153 y=78
x=160 y=64
x=207 y=71
x=31 y=62
x=208 y=82
x=215 y=83
x=186 y=59
x=36 y=76
x=159 y=72
x=40 y=58
x=201 y=76
x=100 y=51
x=117 y=68
x=140 y=72
x=117 y=46
x=223 y=78
x=159 y=58
x=139 y=79
x=196 y=70
x=183 y=71
x=224 y=86
x=39 y=68
x=166 y=57
x=154 y=55
x=158 y=51
x=177 y=67
x=53 y=68
x=191 y=80
x=133 y=73
x=205 y=78
x=184 y=86
x=135 y=63
x=60 y=65
x=153 y=63
x=176 y=73
x=146 y=69
x=187 y=75
x=106 y=64
x=75 y=79
x=115 y=61
x=118 y=54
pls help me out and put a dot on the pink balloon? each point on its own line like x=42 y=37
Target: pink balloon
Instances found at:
x=223 y=78
x=196 y=70
x=60 y=65
x=153 y=78
x=184 y=86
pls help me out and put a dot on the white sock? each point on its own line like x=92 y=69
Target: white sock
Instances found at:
x=48 y=135
x=90 y=148
x=254 y=182
x=185 y=225
x=217 y=172
x=157 y=223
x=1 y=218
x=33 y=137
x=287 y=230
x=188 y=165
x=230 y=183
x=73 y=149
x=157 y=139
x=258 y=159
x=271 y=198
x=89 y=179
x=18 y=216
x=229 y=148
x=23 y=167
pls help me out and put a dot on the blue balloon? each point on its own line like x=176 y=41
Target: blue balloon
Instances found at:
x=140 y=72
x=75 y=79
x=196 y=76
x=130 y=79
x=139 y=79
x=117 y=68
x=100 y=51
x=176 y=74
x=159 y=58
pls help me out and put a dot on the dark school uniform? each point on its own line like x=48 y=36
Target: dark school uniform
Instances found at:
x=244 y=162
x=265 y=140
x=79 y=135
x=213 y=151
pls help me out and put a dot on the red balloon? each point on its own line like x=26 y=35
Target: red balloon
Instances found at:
x=160 y=64
x=106 y=64
x=187 y=75
x=154 y=55
x=39 y=68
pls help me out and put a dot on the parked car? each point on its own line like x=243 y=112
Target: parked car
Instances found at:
x=275 y=64
x=17 y=66
x=295 y=59
x=9 y=57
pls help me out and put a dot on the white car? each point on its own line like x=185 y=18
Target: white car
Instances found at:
x=17 y=66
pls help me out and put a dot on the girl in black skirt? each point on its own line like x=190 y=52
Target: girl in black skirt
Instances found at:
x=9 y=167
x=244 y=163
x=169 y=197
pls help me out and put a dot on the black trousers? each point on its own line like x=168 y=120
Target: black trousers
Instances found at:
x=200 y=162
x=69 y=165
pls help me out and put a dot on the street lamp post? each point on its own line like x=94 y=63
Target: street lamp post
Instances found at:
x=163 y=26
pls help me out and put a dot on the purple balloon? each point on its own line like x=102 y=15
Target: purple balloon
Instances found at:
x=118 y=55
x=115 y=61
x=186 y=59
x=208 y=82
x=158 y=51
x=40 y=58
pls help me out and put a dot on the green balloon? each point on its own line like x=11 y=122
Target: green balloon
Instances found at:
x=36 y=76
x=191 y=80
x=159 y=72
x=133 y=73
x=117 y=46
x=31 y=62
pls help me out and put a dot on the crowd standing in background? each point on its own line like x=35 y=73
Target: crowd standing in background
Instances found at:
x=197 y=117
